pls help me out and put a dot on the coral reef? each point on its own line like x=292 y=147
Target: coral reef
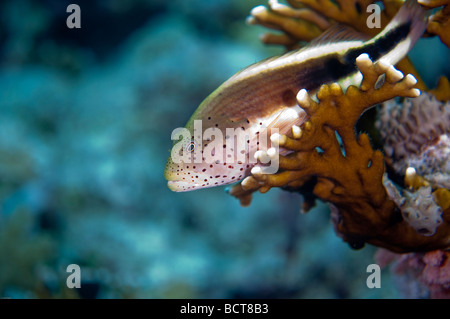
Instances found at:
x=411 y=216
x=419 y=275
x=330 y=162
x=87 y=148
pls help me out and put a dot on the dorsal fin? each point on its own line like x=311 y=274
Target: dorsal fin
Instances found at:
x=338 y=33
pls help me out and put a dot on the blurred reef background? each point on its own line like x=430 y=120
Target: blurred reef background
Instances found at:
x=85 y=122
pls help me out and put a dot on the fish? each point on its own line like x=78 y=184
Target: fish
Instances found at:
x=221 y=141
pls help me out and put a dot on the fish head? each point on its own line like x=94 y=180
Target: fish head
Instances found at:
x=208 y=154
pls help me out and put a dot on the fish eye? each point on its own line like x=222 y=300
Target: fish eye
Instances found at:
x=191 y=147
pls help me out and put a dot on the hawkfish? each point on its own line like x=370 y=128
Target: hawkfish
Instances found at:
x=220 y=143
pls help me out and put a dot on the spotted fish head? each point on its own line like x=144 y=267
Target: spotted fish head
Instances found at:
x=208 y=155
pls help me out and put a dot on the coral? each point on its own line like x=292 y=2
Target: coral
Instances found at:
x=420 y=208
x=422 y=212
x=439 y=22
x=415 y=133
x=442 y=90
x=304 y=20
x=419 y=275
x=347 y=174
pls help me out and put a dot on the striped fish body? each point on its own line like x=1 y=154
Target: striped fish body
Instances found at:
x=261 y=100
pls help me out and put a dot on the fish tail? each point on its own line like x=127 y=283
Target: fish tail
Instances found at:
x=400 y=35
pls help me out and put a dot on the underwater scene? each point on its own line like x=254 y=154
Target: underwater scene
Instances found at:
x=119 y=177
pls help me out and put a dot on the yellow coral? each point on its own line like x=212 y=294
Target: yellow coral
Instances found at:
x=349 y=175
x=442 y=196
x=442 y=90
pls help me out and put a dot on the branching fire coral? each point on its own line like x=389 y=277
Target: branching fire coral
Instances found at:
x=347 y=174
x=399 y=200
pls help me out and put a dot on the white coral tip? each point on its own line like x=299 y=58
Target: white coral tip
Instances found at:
x=416 y=92
x=410 y=80
x=363 y=57
x=262 y=156
x=256 y=170
x=277 y=139
x=257 y=10
x=410 y=171
x=296 y=131
x=394 y=74
x=303 y=98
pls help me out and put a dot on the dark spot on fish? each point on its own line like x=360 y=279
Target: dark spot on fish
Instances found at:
x=248 y=122
x=289 y=97
x=209 y=117
x=211 y=165
x=204 y=170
